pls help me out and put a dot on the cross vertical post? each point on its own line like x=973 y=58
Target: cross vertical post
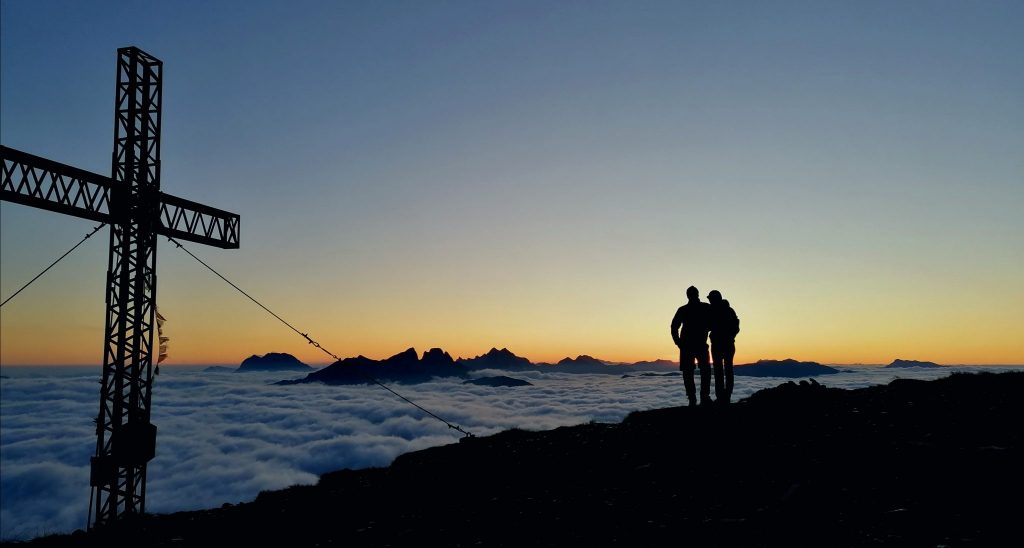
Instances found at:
x=125 y=438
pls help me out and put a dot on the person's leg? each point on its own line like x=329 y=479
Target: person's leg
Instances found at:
x=686 y=365
x=728 y=355
x=716 y=362
x=705 y=374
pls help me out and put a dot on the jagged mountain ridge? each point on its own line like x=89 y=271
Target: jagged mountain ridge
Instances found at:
x=408 y=367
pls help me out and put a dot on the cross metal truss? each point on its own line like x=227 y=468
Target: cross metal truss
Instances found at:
x=131 y=202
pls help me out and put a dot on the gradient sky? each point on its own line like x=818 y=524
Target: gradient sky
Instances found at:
x=548 y=177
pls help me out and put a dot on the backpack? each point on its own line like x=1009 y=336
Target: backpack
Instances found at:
x=733 y=321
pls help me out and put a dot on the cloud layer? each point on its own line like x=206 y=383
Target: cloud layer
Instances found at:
x=224 y=437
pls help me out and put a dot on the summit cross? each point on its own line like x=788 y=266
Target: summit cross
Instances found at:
x=131 y=202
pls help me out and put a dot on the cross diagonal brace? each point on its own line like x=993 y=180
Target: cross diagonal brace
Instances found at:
x=34 y=181
x=187 y=220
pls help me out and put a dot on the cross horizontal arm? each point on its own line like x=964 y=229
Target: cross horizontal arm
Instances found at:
x=187 y=220
x=34 y=181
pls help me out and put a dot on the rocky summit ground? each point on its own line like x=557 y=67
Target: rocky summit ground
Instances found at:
x=912 y=463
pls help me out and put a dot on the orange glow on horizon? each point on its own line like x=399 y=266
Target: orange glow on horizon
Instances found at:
x=185 y=354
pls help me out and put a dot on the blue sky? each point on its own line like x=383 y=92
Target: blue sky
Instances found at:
x=546 y=176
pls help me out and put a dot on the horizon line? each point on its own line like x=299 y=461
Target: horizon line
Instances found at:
x=609 y=362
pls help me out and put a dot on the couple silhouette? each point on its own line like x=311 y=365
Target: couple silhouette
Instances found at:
x=690 y=327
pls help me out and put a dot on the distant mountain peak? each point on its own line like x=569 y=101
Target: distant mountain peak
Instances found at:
x=783 y=361
x=272 y=361
x=495 y=359
x=435 y=357
x=911 y=363
x=407 y=353
x=783 y=368
x=582 y=359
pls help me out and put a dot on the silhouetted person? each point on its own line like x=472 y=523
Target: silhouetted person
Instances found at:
x=724 y=327
x=695 y=319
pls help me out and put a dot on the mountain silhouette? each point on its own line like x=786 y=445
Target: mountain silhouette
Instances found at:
x=499 y=380
x=590 y=364
x=273 y=361
x=898 y=363
x=656 y=365
x=581 y=361
x=408 y=367
x=496 y=359
x=783 y=368
x=582 y=364
x=404 y=367
x=435 y=357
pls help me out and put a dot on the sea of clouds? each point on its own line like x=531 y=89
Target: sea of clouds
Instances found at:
x=223 y=436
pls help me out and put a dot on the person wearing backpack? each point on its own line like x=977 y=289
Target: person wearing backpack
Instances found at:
x=725 y=325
